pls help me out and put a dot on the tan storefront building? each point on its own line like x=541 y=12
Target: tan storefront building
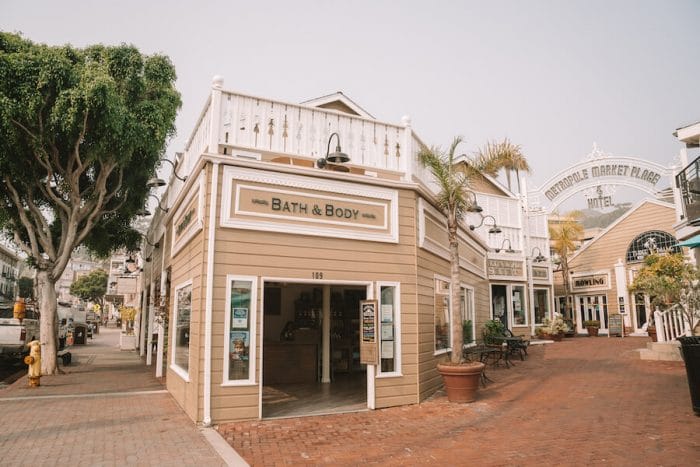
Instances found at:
x=293 y=286
x=601 y=271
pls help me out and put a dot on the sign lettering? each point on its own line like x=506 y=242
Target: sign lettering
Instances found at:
x=502 y=267
x=593 y=281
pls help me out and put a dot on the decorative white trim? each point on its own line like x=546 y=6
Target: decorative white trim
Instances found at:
x=196 y=225
x=509 y=302
x=440 y=250
x=449 y=316
x=184 y=374
x=211 y=247
x=316 y=226
x=253 y=317
x=397 y=329
x=464 y=285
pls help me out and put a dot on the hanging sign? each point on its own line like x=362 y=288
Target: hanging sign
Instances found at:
x=368 y=333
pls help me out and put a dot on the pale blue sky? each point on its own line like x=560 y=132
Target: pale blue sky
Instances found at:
x=554 y=76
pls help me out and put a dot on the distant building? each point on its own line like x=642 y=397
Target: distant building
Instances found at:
x=9 y=264
x=687 y=188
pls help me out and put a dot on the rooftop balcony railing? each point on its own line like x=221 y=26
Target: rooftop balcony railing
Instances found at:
x=266 y=129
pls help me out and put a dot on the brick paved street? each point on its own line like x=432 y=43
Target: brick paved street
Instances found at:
x=106 y=410
x=582 y=401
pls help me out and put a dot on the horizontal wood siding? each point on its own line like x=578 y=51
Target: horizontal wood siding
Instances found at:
x=429 y=265
x=188 y=264
x=273 y=254
x=604 y=251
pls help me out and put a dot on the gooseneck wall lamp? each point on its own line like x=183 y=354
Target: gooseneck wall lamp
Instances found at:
x=332 y=160
x=474 y=206
x=157 y=182
x=503 y=243
x=145 y=212
x=495 y=229
x=539 y=258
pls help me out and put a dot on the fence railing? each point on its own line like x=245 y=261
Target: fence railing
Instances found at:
x=670 y=324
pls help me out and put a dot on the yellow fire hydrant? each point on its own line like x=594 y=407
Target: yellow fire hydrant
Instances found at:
x=34 y=362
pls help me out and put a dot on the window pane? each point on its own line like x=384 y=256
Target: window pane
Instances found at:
x=519 y=307
x=442 y=314
x=239 y=332
x=498 y=295
x=387 y=309
x=182 y=327
x=541 y=305
x=467 y=311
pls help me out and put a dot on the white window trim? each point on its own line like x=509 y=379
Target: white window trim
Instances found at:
x=253 y=316
x=548 y=314
x=509 y=303
x=181 y=372
x=397 y=330
x=473 y=306
x=449 y=316
x=525 y=303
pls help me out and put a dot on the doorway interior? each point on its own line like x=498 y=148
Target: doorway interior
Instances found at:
x=299 y=377
x=592 y=307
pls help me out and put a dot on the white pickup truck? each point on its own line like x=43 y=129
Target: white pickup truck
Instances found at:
x=14 y=334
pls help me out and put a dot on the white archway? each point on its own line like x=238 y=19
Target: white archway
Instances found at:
x=600 y=170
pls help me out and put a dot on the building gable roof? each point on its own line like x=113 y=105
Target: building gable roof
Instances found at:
x=619 y=220
x=340 y=102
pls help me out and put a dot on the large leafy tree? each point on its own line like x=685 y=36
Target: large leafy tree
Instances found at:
x=565 y=235
x=454 y=177
x=91 y=287
x=81 y=131
x=670 y=281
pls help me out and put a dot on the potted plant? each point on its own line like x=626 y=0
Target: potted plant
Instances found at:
x=454 y=178
x=558 y=327
x=467 y=331
x=592 y=326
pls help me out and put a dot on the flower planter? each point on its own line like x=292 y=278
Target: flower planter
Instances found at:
x=461 y=381
x=592 y=331
x=127 y=342
x=557 y=337
x=690 y=349
x=652 y=333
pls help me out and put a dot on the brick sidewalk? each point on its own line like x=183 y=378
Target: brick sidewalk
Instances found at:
x=577 y=402
x=106 y=410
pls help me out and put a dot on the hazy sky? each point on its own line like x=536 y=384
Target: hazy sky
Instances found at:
x=553 y=76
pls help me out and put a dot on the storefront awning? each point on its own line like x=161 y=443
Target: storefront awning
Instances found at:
x=692 y=242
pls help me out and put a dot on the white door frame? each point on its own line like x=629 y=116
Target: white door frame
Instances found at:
x=579 y=301
x=371 y=370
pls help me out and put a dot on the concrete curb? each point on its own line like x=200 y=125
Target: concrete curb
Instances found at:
x=222 y=448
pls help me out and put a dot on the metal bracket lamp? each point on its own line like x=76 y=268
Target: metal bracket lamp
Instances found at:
x=474 y=207
x=145 y=212
x=509 y=249
x=154 y=182
x=495 y=229
x=332 y=160
x=539 y=258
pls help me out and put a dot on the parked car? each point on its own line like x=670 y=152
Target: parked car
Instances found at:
x=15 y=333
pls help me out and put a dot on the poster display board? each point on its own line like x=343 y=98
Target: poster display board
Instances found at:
x=369 y=354
x=615 y=326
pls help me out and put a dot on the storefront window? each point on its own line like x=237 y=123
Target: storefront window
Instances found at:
x=182 y=312
x=467 y=311
x=519 y=306
x=390 y=331
x=498 y=304
x=240 y=325
x=541 y=305
x=442 y=315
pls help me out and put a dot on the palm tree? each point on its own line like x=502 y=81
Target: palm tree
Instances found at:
x=510 y=157
x=454 y=179
x=564 y=235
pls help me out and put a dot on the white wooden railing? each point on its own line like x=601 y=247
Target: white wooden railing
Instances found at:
x=258 y=125
x=670 y=324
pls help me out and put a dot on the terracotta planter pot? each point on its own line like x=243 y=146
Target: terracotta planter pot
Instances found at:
x=592 y=331
x=461 y=381
x=652 y=333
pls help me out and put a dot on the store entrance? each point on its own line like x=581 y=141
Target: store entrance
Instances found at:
x=301 y=375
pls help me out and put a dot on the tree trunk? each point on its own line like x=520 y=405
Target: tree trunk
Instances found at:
x=46 y=289
x=455 y=315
